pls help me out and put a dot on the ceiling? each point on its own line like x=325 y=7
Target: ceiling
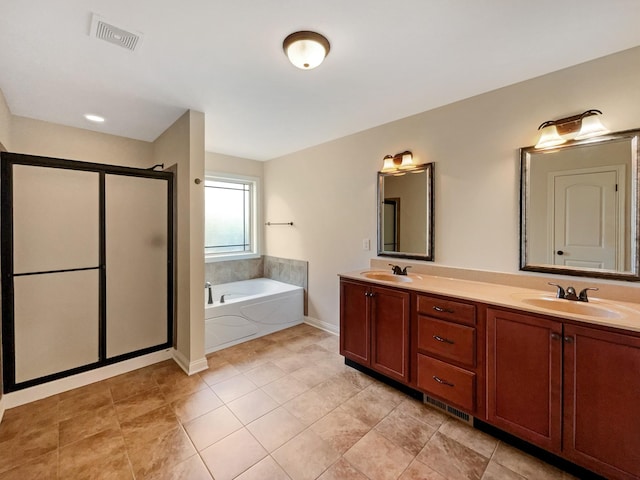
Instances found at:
x=388 y=60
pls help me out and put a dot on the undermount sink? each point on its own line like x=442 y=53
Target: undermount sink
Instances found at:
x=387 y=277
x=568 y=306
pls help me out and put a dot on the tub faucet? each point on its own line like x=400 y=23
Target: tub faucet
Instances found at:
x=222 y=298
x=399 y=271
x=207 y=285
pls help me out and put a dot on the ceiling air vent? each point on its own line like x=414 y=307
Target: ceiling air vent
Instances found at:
x=110 y=33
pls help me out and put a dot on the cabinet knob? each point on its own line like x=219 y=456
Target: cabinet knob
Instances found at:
x=568 y=339
x=443 y=382
x=555 y=336
x=560 y=252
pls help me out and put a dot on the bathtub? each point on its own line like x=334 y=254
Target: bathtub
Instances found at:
x=251 y=309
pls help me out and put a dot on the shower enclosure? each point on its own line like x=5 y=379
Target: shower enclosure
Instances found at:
x=87 y=266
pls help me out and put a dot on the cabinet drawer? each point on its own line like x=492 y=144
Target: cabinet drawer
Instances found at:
x=447 y=309
x=446 y=339
x=448 y=382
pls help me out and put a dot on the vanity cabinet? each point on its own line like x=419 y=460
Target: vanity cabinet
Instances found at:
x=374 y=328
x=602 y=400
x=524 y=377
x=446 y=351
x=571 y=389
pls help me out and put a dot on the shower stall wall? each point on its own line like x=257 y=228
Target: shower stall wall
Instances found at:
x=87 y=266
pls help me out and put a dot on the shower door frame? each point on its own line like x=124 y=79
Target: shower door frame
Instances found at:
x=7 y=263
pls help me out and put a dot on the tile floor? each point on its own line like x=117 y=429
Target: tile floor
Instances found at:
x=280 y=407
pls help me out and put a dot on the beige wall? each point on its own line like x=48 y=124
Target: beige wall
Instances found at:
x=5 y=126
x=35 y=137
x=329 y=191
x=5 y=123
x=217 y=162
x=182 y=144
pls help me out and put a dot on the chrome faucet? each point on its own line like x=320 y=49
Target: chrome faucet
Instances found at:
x=207 y=285
x=399 y=271
x=570 y=293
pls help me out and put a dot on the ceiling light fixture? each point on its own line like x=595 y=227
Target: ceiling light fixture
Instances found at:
x=306 y=50
x=577 y=127
x=94 y=118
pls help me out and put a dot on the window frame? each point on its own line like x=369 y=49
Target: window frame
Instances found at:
x=255 y=217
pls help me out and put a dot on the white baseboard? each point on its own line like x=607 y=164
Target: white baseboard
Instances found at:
x=189 y=367
x=38 y=392
x=327 y=327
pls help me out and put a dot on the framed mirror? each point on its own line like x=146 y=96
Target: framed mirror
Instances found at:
x=405 y=213
x=579 y=208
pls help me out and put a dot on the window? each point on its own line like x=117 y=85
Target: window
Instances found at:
x=230 y=217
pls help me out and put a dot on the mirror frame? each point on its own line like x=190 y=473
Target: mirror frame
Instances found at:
x=428 y=168
x=525 y=208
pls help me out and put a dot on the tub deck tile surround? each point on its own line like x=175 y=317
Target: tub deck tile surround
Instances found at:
x=157 y=423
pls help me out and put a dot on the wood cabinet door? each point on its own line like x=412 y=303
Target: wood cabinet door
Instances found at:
x=524 y=377
x=602 y=401
x=355 y=327
x=390 y=332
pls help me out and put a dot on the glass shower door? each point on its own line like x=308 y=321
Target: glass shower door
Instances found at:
x=136 y=263
x=55 y=270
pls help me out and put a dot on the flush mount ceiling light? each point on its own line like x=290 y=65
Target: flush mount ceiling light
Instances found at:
x=577 y=127
x=94 y=118
x=306 y=50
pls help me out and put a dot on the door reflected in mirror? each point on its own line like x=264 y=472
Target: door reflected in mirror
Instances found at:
x=405 y=213
x=579 y=208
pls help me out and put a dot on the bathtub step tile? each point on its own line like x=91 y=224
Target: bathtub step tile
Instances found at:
x=253 y=405
x=265 y=373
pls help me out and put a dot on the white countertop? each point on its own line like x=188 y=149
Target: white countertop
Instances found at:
x=624 y=315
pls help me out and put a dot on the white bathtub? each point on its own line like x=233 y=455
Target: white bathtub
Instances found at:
x=251 y=309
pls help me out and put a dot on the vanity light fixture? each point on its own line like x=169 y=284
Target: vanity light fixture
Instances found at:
x=398 y=162
x=305 y=49
x=578 y=127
